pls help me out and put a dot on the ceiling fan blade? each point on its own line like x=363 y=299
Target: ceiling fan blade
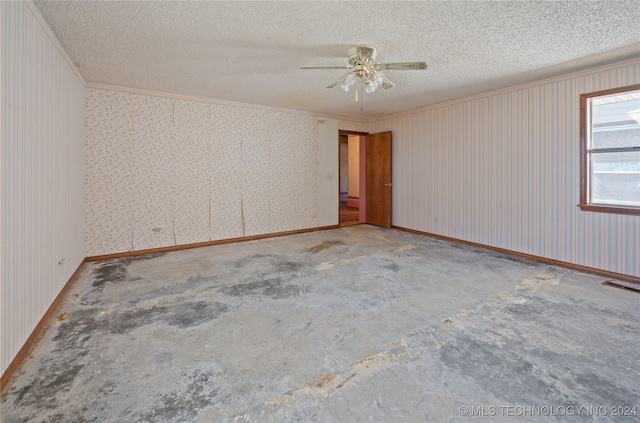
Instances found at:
x=386 y=84
x=326 y=67
x=403 y=66
x=340 y=80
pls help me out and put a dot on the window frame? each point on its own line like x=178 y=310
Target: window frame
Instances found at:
x=585 y=126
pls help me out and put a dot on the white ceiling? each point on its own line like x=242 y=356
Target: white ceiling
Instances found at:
x=251 y=52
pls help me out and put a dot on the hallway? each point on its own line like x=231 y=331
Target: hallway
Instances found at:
x=349 y=215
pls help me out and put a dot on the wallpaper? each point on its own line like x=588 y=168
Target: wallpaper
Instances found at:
x=503 y=170
x=163 y=172
x=42 y=162
x=356 y=126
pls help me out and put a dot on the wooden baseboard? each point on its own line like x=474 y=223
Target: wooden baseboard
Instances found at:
x=574 y=266
x=6 y=375
x=204 y=244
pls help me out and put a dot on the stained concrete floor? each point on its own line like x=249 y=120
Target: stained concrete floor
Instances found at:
x=346 y=325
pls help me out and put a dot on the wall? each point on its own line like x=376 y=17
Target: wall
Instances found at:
x=502 y=169
x=354 y=166
x=344 y=164
x=328 y=173
x=163 y=171
x=354 y=126
x=43 y=104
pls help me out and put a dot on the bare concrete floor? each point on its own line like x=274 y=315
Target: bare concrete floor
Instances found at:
x=346 y=325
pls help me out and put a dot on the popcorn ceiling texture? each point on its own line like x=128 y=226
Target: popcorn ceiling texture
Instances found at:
x=251 y=52
x=164 y=172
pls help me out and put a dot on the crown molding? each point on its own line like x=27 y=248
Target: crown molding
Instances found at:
x=214 y=101
x=52 y=36
x=45 y=25
x=47 y=28
x=539 y=82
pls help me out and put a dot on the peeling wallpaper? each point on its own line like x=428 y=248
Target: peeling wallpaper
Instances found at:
x=503 y=169
x=163 y=172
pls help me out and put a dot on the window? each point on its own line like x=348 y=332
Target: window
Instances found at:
x=610 y=151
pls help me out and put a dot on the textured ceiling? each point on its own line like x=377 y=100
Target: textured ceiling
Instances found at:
x=251 y=52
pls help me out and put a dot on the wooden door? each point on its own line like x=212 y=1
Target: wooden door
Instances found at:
x=378 y=179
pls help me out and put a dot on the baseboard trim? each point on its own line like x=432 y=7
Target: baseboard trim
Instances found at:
x=574 y=266
x=6 y=375
x=204 y=244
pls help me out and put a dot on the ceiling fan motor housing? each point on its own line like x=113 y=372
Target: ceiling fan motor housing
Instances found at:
x=362 y=54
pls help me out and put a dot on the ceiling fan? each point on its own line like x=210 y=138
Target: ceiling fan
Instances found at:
x=363 y=67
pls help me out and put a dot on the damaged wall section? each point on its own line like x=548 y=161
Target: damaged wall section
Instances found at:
x=164 y=171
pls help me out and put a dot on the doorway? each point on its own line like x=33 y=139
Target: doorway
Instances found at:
x=365 y=178
x=350 y=175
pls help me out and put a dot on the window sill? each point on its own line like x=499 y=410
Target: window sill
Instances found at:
x=610 y=209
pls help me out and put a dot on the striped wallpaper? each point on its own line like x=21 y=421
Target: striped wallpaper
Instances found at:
x=502 y=169
x=42 y=174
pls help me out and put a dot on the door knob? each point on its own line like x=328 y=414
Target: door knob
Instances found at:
x=387 y=185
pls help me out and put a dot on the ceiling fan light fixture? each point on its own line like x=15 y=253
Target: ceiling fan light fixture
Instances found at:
x=374 y=81
x=366 y=71
x=349 y=80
